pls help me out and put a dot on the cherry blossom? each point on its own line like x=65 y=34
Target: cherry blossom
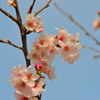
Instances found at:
x=29 y=77
x=74 y=38
x=16 y=72
x=63 y=34
x=96 y=24
x=10 y=2
x=34 y=56
x=38 y=86
x=34 y=24
x=22 y=97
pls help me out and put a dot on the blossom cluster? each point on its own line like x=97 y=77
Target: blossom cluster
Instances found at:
x=34 y=24
x=45 y=48
x=27 y=83
x=69 y=45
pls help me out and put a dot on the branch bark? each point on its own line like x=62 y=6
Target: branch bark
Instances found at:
x=17 y=11
x=96 y=56
x=8 y=15
x=91 y=48
x=23 y=33
x=47 y=5
x=31 y=7
x=8 y=42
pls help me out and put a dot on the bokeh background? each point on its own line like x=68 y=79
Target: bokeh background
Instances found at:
x=80 y=81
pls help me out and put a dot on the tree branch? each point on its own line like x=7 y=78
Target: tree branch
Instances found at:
x=71 y=18
x=23 y=33
x=91 y=48
x=96 y=56
x=8 y=15
x=47 y=5
x=31 y=7
x=17 y=12
x=8 y=42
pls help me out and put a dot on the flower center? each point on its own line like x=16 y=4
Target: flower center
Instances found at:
x=30 y=24
x=41 y=42
x=23 y=84
x=61 y=38
x=29 y=76
x=66 y=48
x=19 y=74
x=34 y=56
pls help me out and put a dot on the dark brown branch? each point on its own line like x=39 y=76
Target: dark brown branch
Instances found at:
x=47 y=5
x=91 y=48
x=23 y=33
x=8 y=15
x=40 y=96
x=31 y=7
x=71 y=18
x=96 y=56
x=8 y=42
x=24 y=43
x=17 y=12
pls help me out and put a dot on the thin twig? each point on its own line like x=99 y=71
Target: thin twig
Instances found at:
x=71 y=18
x=91 y=48
x=31 y=7
x=96 y=56
x=47 y=5
x=8 y=15
x=8 y=42
x=17 y=10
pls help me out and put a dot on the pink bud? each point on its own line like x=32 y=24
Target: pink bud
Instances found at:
x=28 y=10
x=41 y=30
x=40 y=66
x=35 y=65
x=43 y=77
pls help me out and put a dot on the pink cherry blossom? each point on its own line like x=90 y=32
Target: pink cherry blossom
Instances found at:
x=22 y=97
x=66 y=49
x=50 y=72
x=38 y=86
x=42 y=40
x=34 y=24
x=29 y=77
x=74 y=38
x=63 y=34
x=38 y=25
x=10 y=2
x=96 y=24
x=16 y=72
x=33 y=56
x=53 y=51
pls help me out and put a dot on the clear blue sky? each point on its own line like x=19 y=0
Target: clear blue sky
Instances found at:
x=80 y=81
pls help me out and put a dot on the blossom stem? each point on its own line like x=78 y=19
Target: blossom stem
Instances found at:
x=47 y=5
x=74 y=21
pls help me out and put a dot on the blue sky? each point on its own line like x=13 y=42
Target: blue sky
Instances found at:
x=80 y=81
